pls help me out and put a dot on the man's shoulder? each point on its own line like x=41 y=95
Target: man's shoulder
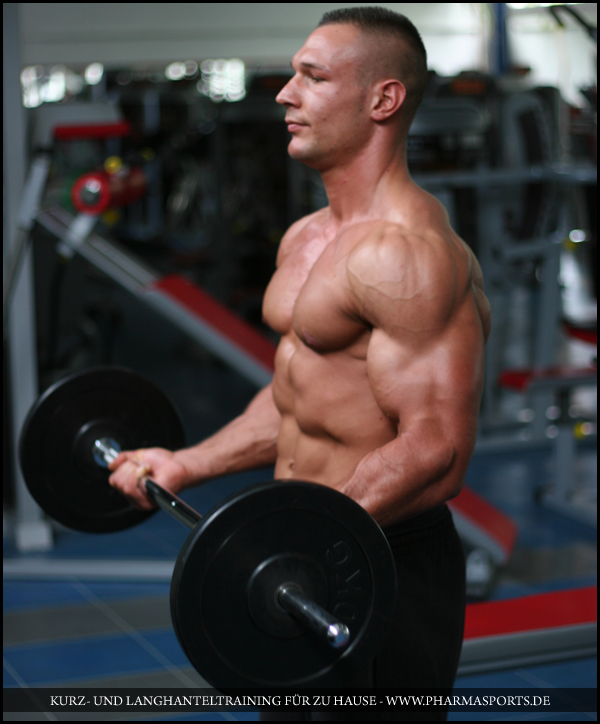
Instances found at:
x=396 y=270
x=395 y=249
x=420 y=229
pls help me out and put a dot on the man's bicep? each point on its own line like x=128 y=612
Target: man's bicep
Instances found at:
x=436 y=382
x=407 y=382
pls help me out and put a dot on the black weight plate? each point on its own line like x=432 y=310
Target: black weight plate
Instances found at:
x=56 y=445
x=308 y=526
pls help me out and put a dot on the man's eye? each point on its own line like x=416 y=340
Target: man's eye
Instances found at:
x=317 y=80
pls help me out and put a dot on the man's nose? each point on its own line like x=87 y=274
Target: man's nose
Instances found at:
x=287 y=95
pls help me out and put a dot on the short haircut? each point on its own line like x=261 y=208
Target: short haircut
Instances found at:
x=412 y=56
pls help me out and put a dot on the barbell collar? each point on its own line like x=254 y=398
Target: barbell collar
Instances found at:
x=313 y=616
x=163 y=498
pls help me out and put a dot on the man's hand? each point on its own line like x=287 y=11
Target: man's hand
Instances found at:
x=163 y=466
x=248 y=442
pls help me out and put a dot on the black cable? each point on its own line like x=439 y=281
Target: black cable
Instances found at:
x=590 y=29
x=555 y=15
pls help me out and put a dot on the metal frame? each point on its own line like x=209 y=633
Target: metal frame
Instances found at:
x=31 y=530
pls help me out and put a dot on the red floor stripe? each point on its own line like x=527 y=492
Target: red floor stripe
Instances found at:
x=530 y=613
x=214 y=314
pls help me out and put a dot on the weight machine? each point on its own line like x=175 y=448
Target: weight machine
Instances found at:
x=518 y=206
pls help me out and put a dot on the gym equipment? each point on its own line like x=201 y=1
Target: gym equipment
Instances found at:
x=293 y=569
x=96 y=191
x=63 y=471
x=188 y=307
x=242 y=567
x=530 y=630
x=562 y=496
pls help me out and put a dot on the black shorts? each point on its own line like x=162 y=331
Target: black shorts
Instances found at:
x=423 y=647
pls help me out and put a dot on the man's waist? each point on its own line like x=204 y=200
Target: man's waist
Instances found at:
x=417 y=523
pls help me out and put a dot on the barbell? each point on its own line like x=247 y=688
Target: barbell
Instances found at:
x=290 y=569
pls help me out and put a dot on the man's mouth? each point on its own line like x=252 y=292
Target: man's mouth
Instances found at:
x=294 y=126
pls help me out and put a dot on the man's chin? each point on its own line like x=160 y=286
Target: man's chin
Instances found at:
x=309 y=157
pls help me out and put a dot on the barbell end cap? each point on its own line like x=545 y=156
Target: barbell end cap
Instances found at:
x=105 y=451
x=338 y=635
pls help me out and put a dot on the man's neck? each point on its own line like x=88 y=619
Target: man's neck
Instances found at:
x=367 y=187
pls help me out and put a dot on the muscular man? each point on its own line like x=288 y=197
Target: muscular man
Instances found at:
x=383 y=321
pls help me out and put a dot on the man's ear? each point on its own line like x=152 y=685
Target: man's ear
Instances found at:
x=389 y=96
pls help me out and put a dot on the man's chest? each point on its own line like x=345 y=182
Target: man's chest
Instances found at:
x=309 y=296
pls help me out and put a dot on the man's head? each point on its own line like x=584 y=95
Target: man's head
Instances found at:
x=396 y=50
x=361 y=67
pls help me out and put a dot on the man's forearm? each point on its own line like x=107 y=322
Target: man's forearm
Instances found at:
x=409 y=475
x=249 y=441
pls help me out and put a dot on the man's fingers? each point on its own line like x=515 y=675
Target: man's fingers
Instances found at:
x=127 y=479
x=134 y=456
x=119 y=460
x=142 y=471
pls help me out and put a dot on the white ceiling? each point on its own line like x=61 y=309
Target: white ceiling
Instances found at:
x=118 y=34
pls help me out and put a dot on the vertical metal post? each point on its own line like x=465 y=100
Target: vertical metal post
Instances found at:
x=547 y=332
x=489 y=234
x=31 y=531
x=550 y=309
x=499 y=55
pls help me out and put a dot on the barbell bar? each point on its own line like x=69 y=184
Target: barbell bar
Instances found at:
x=309 y=613
x=262 y=571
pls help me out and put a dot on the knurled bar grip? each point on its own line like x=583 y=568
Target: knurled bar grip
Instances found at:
x=303 y=609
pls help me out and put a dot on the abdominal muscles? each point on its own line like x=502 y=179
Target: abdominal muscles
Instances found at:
x=330 y=419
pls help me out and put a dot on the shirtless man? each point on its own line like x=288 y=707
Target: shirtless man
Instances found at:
x=383 y=322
